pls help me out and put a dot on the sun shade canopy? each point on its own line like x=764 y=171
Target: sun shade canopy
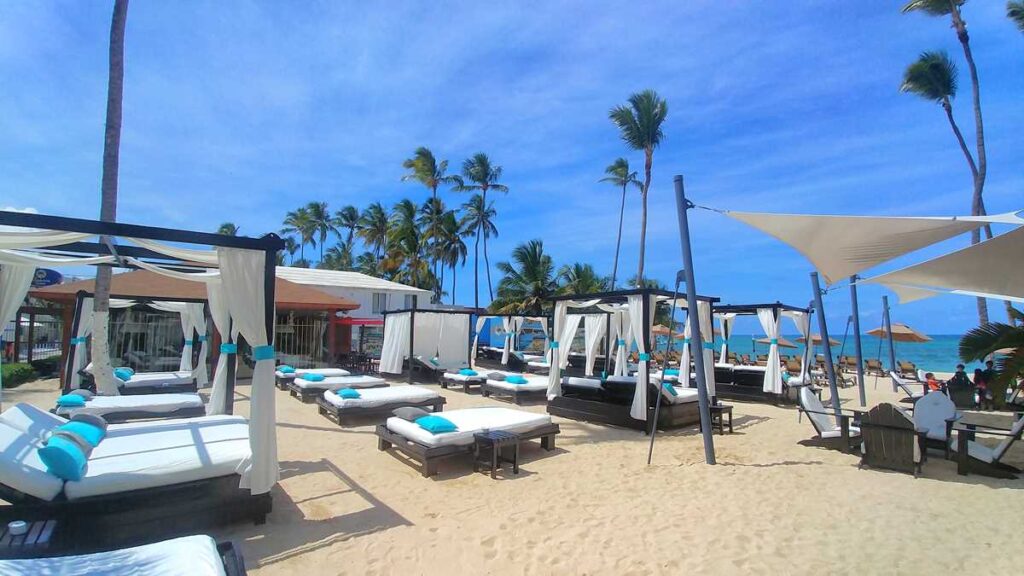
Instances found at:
x=840 y=246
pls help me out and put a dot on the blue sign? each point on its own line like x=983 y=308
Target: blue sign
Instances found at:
x=46 y=277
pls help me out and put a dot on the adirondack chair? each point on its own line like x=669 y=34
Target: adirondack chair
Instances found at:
x=891 y=441
x=844 y=436
x=973 y=456
x=935 y=414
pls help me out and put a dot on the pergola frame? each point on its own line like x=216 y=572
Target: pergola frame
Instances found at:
x=469 y=313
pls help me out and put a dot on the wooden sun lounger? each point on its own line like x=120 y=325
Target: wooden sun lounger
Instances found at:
x=465 y=384
x=428 y=456
x=309 y=395
x=338 y=415
x=966 y=463
x=517 y=396
x=129 y=415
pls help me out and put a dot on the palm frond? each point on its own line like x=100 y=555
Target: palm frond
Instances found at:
x=982 y=341
x=1015 y=12
x=933 y=77
x=931 y=7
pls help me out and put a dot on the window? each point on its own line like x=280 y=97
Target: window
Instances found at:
x=380 y=302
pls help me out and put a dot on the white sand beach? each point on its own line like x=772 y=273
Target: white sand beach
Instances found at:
x=592 y=506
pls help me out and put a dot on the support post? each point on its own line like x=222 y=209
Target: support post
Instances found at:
x=73 y=350
x=230 y=365
x=412 y=333
x=645 y=309
x=887 y=321
x=682 y=205
x=856 y=341
x=830 y=368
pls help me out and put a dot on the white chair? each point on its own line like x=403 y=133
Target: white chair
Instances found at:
x=905 y=386
x=842 y=436
x=935 y=414
x=973 y=456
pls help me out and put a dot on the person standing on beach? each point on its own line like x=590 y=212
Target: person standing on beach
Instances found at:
x=981 y=385
x=996 y=387
x=959 y=379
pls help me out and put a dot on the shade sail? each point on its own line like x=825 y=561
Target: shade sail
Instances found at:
x=993 y=267
x=900 y=333
x=840 y=246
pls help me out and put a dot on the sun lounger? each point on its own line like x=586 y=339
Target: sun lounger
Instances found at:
x=978 y=458
x=843 y=436
x=138 y=407
x=157 y=383
x=427 y=449
x=377 y=401
x=434 y=368
x=905 y=387
x=891 y=440
x=185 y=556
x=536 y=387
x=309 y=390
x=873 y=367
x=283 y=378
x=159 y=478
x=907 y=369
x=463 y=380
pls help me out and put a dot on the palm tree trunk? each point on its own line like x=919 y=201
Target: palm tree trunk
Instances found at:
x=453 y=284
x=648 y=160
x=618 y=238
x=487 y=265
x=476 y=270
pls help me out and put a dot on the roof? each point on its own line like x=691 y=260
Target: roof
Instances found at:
x=344 y=279
x=143 y=284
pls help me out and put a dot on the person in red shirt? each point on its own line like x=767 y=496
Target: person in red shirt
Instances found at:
x=933 y=384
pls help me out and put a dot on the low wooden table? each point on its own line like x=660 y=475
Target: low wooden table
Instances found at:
x=718 y=413
x=37 y=542
x=490 y=448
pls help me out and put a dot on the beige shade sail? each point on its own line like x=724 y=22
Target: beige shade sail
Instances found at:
x=900 y=333
x=840 y=246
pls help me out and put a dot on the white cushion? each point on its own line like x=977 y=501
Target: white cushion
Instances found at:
x=20 y=466
x=469 y=421
x=683 y=395
x=837 y=432
x=816 y=412
x=339 y=382
x=187 y=556
x=1015 y=431
x=464 y=378
x=584 y=382
x=151 y=403
x=33 y=421
x=373 y=397
x=321 y=371
x=534 y=383
x=931 y=413
x=159 y=378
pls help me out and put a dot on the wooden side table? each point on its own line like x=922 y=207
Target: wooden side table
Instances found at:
x=36 y=542
x=491 y=448
x=718 y=414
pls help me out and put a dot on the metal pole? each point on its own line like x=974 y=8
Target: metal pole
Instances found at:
x=830 y=369
x=73 y=349
x=887 y=321
x=412 y=332
x=682 y=205
x=665 y=365
x=230 y=364
x=856 y=340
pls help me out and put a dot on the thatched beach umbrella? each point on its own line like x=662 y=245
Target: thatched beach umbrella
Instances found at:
x=783 y=343
x=816 y=340
x=900 y=333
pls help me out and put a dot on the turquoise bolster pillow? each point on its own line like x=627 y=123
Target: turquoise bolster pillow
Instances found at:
x=349 y=393
x=314 y=377
x=70 y=401
x=670 y=389
x=123 y=374
x=467 y=372
x=516 y=379
x=436 y=424
x=93 y=419
x=92 y=434
x=63 y=458
x=435 y=362
x=671 y=372
x=285 y=369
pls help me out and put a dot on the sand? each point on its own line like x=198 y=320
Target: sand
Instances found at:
x=592 y=506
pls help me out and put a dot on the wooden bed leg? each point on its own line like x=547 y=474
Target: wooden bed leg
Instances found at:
x=429 y=468
x=383 y=444
x=962 y=456
x=548 y=442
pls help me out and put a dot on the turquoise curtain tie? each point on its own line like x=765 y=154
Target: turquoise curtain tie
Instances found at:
x=709 y=346
x=774 y=341
x=645 y=357
x=188 y=343
x=202 y=338
x=621 y=342
x=261 y=353
x=554 y=344
x=686 y=341
x=78 y=340
x=229 y=348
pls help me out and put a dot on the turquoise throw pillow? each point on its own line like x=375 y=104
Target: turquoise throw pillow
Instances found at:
x=91 y=434
x=670 y=389
x=435 y=362
x=436 y=424
x=314 y=377
x=123 y=373
x=71 y=401
x=285 y=369
x=671 y=372
x=63 y=458
x=349 y=393
x=516 y=379
x=467 y=372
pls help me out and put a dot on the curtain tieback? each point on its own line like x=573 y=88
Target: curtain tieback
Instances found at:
x=78 y=340
x=188 y=343
x=554 y=344
x=229 y=348
x=202 y=337
x=261 y=353
x=709 y=346
x=774 y=341
x=644 y=357
x=621 y=342
x=686 y=341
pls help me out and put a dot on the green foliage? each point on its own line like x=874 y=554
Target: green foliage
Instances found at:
x=979 y=343
x=46 y=367
x=1015 y=12
x=528 y=282
x=640 y=121
x=931 y=7
x=619 y=175
x=228 y=229
x=14 y=375
x=580 y=278
x=933 y=77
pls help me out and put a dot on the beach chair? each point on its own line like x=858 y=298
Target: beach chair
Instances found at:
x=307 y=391
x=793 y=366
x=376 y=402
x=465 y=381
x=907 y=369
x=733 y=359
x=844 y=436
x=185 y=556
x=891 y=440
x=978 y=458
x=850 y=365
x=903 y=385
x=434 y=368
x=176 y=382
x=873 y=367
x=497 y=385
x=115 y=409
x=762 y=360
x=935 y=415
x=283 y=378
x=745 y=360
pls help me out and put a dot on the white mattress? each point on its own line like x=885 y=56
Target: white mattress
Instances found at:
x=533 y=384
x=469 y=421
x=373 y=397
x=339 y=382
x=584 y=382
x=463 y=378
x=158 y=379
x=321 y=371
x=151 y=403
x=188 y=556
x=538 y=364
x=683 y=395
x=20 y=466
x=761 y=369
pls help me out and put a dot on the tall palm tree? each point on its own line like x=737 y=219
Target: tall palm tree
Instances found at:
x=322 y=222
x=983 y=341
x=338 y=257
x=406 y=258
x=291 y=247
x=479 y=218
x=301 y=223
x=108 y=188
x=452 y=248
x=367 y=263
x=979 y=171
x=639 y=125
x=429 y=221
x=373 y=228
x=528 y=281
x=347 y=219
x=580 y=278
x=1015 y=12
x=482 y=176
x=618 y=174
x=228 y=229
x=424 y=168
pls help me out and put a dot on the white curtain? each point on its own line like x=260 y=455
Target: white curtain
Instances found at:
x=242 y=273
x=773 y=373
x=15 y=280
x=200 y=373
x=572 y=324
x=33 y=259
x=707 y=336
x=726 y=321
x=555 y=371
x=593 y=329
x=544 y=328
x=185 y=317
x=186 y=254
x=39 y=239
x=426 y=329
x=625 y=340
x=686 y=356
x=480 y=322
x=396 y=343
x=221 y=316
x=639 y=325
x=454 y=339
x=506 y=324
x=802 y=321
x=76 y=348
x=206 y=276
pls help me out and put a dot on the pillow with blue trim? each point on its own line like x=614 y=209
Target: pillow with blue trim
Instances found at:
x=516 y=379
x=71 y=401
x=93 y=419
x=349 y=393
x=467 y=372
x=670 y=389
x=87 y=394
x=672 y=372
x=124 y=374
x=313 y=377
x=499 y=376
x=64 y=457
x=436 y=424
x=434 y=361
x=285 y=369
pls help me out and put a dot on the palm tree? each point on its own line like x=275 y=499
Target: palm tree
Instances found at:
x=347 y=219
x=406 y=258
x=580 y=278
x=338 y=257
x=373 y=228
x=983 y=341
x=424 y=168
x=300 y=222
x=528 y=282
x=451 y=247
x=483 y=176
x=322 y=222
x=108 y=187
x=620 y=176
x=640 y=128
x=429 y=218
x=367 y=263
x=291 y=247
x=1015 y=12
x=228 y=229
x=479 y=219
x=979 y=171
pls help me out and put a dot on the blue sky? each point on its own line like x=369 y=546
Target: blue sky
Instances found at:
x=241 y=111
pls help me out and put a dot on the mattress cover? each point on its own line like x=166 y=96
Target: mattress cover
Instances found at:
x=374 y=397
x=533 y=384
x=464 y=378
x=187 y=556
x=470 y=421
x=682 y=396
x=152 y=403
x=339 y=382
x=321 y=371
x=152 y=378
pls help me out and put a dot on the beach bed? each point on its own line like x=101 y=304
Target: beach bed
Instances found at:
x=428 y=449
x=376 y=402
x=536 y=387
x=608 y=401
x=463 y=380
x=185 y=556
x=138 y=407
x=309 y=390
x=282 y=379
